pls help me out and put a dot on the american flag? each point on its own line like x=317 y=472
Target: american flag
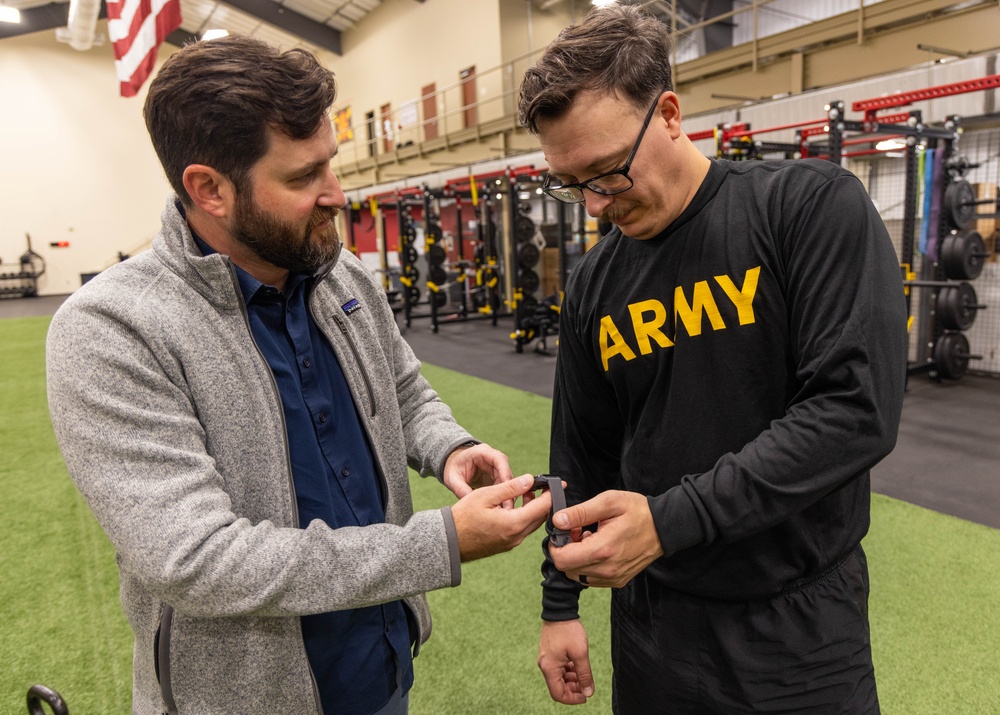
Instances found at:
x=137 y=27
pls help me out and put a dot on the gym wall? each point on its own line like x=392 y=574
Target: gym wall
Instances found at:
x=78 y=165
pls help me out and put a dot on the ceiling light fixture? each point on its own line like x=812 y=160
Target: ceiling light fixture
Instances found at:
x=891 y=145
x=10 y=14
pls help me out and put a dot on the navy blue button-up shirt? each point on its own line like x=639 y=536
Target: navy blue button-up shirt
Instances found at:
x=359 y=657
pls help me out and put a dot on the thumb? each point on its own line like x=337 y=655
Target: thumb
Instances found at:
x=571 y=517
x=509 y=490
x=605 y=505
x=581 y=663
x=587 y=681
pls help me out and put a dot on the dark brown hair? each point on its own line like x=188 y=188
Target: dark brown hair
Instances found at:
x=214 y=100
x=618 y=49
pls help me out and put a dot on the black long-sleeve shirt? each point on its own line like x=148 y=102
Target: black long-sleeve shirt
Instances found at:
x=744 y=370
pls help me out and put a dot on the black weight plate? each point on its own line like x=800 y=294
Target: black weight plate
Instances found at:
x=409 y=254
x=412 y=295
x=437 y=274
x=962 y=254
x=433 y=229
x=951 y=355
x=436 y=254
x=956 y=306
x=439 y=299
x=524 y=229
x=527 y=255
x=526 y=311
x=959 y=207
x=529 y=281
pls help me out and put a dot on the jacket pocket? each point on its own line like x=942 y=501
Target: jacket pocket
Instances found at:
x=161 y=659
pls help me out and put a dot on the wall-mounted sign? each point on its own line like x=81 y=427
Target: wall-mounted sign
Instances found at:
x=342 y=123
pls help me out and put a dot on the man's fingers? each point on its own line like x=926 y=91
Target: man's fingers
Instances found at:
x=583 y=674
x=535 y=511
x=603 y=506
x=573 y=517
x=561 y=687
x=492 y=462
x=513 y=488
x=497 y=494
x=501 y=467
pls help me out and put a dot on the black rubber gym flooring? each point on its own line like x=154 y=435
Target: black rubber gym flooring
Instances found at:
x=947 y=457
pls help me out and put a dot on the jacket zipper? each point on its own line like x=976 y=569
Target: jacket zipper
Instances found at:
x=357 y=361
x=383 y=482
x=288 y=457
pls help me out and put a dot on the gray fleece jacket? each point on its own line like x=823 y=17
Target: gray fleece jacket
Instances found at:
x=171 y=426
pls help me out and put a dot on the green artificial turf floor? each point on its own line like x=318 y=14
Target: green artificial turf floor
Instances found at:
x=935 y=606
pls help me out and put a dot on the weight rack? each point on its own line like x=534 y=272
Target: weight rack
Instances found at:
x=948 y=304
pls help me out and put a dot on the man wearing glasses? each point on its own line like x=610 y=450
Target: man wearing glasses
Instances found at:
x=731 y=365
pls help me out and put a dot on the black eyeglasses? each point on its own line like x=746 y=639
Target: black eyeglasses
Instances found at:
x=613 y=182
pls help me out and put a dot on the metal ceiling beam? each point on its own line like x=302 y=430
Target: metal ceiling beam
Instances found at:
x=292 y=22
x=38 y=19
x=56 y=15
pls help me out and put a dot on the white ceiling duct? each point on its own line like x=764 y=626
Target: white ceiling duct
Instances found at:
x=80 y=30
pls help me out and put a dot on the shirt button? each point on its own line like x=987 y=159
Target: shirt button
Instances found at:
x=307 y=362
x=322 y=417
x=345 y=472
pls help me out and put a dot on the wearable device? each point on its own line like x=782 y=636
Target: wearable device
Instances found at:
x=559 y=537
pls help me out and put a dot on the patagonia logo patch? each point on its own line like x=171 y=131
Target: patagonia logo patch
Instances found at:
x=351 y=305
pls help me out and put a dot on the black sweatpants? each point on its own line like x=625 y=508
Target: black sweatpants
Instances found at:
x=806 y=650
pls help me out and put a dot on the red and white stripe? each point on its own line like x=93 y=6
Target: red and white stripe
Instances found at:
x=136 y=28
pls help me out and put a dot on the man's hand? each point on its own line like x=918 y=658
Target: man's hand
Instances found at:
x=564 y=659
x=624 y=544
x=469 y=468
x=485 y=528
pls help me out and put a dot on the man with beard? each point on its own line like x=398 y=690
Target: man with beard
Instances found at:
x=239 y=410
x=731 y=364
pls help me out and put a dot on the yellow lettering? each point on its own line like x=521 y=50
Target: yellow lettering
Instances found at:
x=646 y=330
x=742 y=299
x=701 y=302
x=612 y=342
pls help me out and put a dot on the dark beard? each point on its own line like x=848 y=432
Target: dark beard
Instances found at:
x=277 y=242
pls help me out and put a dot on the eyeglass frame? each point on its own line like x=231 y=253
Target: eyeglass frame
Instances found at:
x=622 y=170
